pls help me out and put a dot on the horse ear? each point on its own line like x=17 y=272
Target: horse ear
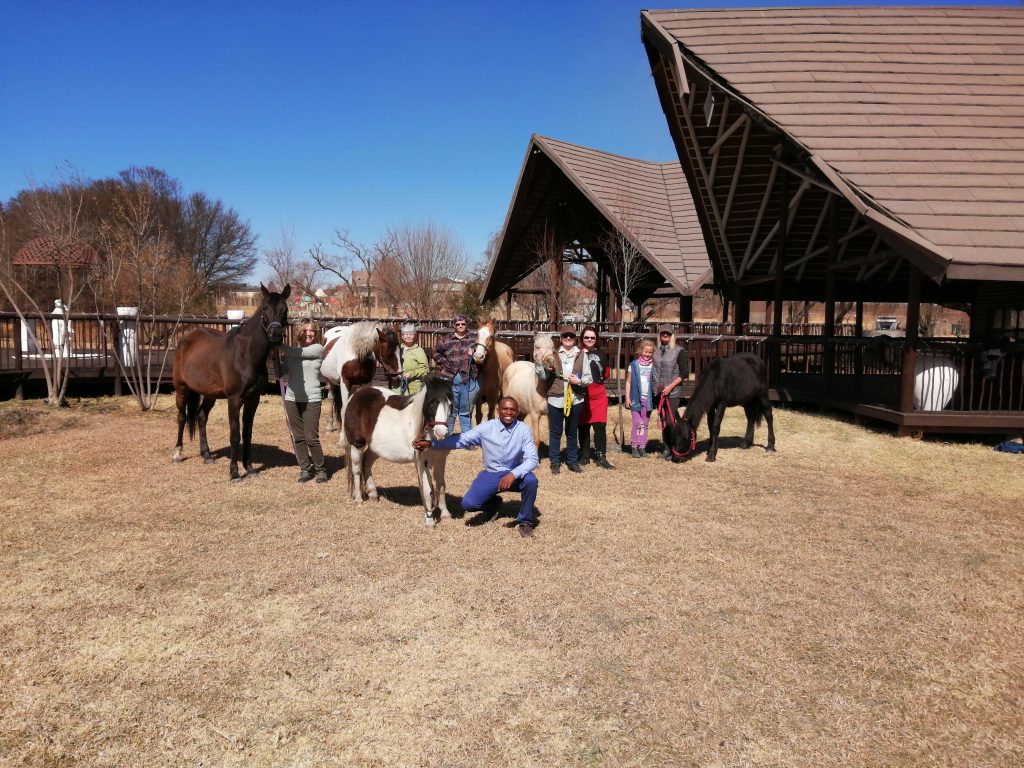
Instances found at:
x=264 y=289
x=287 y=290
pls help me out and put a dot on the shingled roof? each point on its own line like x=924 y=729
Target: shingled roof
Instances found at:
x=585 y=192
x=916 y=115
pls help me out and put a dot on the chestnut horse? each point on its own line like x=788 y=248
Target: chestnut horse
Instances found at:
x=351 y=354
x=493 y=357
x=232 y=365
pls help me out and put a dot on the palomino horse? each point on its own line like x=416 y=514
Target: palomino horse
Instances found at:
x=520 y=381
x=380 y=424
x=739 y=379
x=351 y=354
x=493 y=357
x=233 y=365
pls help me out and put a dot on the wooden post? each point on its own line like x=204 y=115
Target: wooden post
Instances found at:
x=508 y=305
x=741 y=312
x=725 y=310
x=858 y=353
x=775 y=349
x=19 y=390
x=686 y=309
x=910 y=351
x=829 y=331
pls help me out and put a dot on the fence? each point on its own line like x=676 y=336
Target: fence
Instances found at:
x=948 y=375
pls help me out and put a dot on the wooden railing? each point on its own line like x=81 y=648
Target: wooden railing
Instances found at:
x=949 y=375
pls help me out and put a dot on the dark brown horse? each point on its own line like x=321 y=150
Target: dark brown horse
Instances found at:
x=233 y=365
x=739 y=379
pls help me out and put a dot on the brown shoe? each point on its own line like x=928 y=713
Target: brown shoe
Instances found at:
x=321 y=475
x=526 y=530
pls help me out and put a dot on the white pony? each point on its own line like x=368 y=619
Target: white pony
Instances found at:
x=380 y=424
x=520 y=381
x=351 y=354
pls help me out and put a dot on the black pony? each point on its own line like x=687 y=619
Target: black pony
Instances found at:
x=740 y=379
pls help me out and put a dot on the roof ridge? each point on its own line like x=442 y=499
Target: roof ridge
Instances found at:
x=600 y=151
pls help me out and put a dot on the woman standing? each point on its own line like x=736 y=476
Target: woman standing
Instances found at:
x=302 y=402
x=414 y=361
x=564 y=407
x=595 y=407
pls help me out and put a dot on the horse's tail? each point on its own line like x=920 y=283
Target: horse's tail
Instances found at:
x=192 y=413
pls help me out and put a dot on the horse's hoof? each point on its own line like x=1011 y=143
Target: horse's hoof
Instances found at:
x=770 y=449
x=445 y=514
x=176 y=459
x=237 y=479
x=429 y=522
x=208 y=460
x=710 y=458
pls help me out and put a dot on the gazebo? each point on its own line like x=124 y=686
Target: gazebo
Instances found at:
x=572 y=202
x=861 y=154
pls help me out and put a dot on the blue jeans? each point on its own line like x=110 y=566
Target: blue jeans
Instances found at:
x=465 y=394
x=556 y=421
x=485 y=487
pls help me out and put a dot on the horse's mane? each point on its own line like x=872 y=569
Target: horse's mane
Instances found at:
x=363 y=337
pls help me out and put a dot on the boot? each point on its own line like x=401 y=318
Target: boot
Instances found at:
x=585 y=455
x=601 y=460
x=636 y=452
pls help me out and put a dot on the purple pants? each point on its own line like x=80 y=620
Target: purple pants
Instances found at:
x=641 y=425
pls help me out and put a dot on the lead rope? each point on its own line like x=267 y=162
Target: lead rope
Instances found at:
x=667 y=415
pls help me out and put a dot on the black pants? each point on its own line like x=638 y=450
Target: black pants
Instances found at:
x=304 y=420
x=600 y=437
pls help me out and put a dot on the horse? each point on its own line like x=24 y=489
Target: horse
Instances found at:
x=380 y=424
x=521 y=382
x=351 y=354
x=740 y=379
x=493 y=357
x=232 y=365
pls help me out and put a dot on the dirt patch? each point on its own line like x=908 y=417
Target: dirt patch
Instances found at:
x=852 y=600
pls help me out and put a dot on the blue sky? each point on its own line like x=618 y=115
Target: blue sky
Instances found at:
x=313 y=116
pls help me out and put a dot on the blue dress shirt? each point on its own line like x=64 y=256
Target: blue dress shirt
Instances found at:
x=506 y=449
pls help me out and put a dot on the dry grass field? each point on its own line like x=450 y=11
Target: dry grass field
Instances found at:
x=853 y=600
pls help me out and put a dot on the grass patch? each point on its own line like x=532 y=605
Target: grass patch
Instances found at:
x=853 y=599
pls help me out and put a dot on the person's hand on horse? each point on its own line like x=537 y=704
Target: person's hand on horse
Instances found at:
x=420 y=443
x=506 y=482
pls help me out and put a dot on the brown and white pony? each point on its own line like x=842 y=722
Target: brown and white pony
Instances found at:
x=210 y=365
x=351 y=355
x=520 y=381
x=493 y=357
x=380 y=424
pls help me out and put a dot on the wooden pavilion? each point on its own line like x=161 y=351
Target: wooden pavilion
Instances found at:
x=862 y=154
x=573 y=204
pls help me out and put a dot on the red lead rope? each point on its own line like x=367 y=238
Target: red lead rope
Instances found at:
x=667 y=415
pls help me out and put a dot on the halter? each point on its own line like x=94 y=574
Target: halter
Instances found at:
x=267 y=325
x=668 y=416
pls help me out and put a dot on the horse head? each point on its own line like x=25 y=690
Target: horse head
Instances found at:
x=682 y=438
x=484 y=340
x=273 y=313
x=386 y=350
x=437 y=405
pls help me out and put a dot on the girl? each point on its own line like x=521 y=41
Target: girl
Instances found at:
x=638 y=395
x=595 y=407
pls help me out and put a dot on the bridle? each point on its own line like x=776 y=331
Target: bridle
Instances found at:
x=269 y=324
x=667 y=415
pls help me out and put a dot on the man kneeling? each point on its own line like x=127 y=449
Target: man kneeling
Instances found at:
x=509 y=460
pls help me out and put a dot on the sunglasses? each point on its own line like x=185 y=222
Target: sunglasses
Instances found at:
x=590 y=338
x=568 y=335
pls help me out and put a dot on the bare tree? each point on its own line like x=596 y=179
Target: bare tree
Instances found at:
x=549 y=279
x=421 y=273
x=55 y=215
x=629 y=269
x=141 y=269
x=220 y=245
x=355 y=257
x=289 y=268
